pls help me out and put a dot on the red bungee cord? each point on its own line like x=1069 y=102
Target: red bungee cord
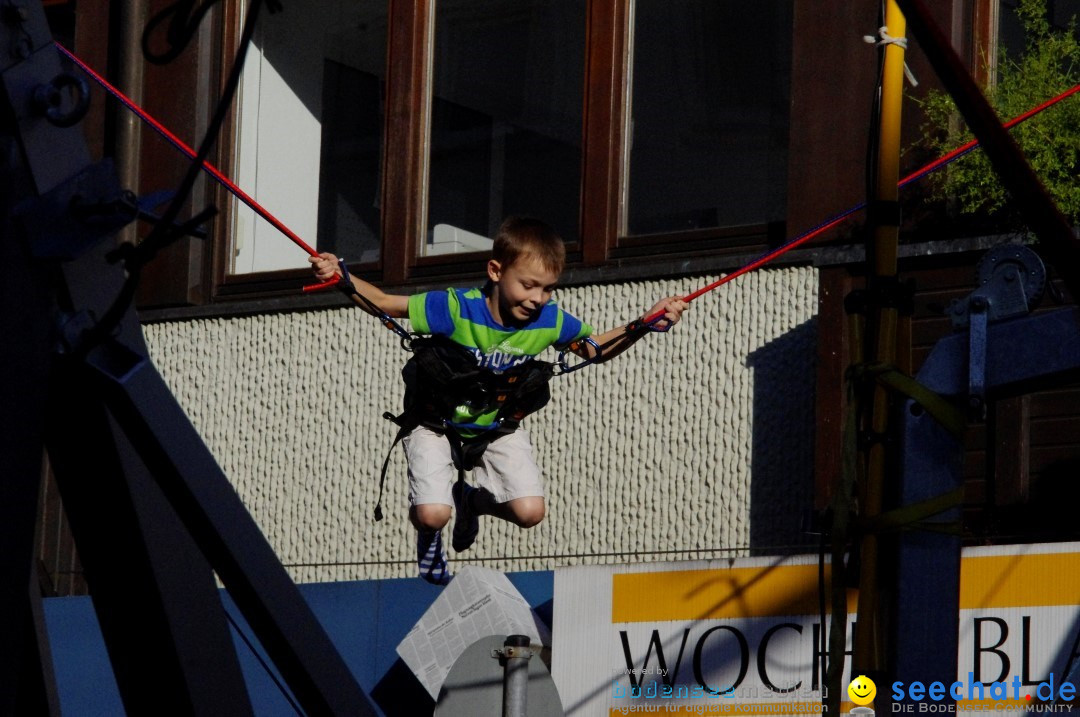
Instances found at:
x=191 y=154
x=649 y=320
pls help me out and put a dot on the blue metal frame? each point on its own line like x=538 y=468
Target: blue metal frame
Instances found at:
x=927 y=567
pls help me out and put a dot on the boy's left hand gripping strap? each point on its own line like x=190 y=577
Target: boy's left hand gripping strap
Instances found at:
x=657 y=322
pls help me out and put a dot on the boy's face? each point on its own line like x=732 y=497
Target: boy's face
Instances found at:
x=522 y=288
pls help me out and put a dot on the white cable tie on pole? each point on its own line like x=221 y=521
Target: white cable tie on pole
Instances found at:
x=887 y=39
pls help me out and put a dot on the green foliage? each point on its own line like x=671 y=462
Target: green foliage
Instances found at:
x=1049 y=65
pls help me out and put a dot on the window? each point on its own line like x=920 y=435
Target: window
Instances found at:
x=308 y=143
x=708 y=130
x=506 y=117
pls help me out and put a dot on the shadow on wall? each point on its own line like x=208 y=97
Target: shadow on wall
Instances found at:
x=782 y=454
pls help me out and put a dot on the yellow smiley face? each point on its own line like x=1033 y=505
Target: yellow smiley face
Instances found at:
x=862 y=690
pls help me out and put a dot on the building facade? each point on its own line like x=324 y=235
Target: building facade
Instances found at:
x=668 y=143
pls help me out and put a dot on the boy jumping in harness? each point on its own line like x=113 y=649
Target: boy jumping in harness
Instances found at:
x=470 y=422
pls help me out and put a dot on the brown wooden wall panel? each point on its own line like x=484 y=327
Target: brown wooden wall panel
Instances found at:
x=928 y=330
x=171 y=94
x=832 y=84
x=1059 y=431
x=60 y=572
x=1060 y=402
x=1049 y=459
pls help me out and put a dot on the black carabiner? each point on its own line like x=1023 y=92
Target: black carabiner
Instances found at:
x=565 y=367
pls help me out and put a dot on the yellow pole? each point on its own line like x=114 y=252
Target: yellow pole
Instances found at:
x=868 y=650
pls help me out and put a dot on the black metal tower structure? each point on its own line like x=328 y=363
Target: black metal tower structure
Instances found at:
x=152 y=514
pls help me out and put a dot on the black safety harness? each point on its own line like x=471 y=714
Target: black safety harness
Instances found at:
x=441 y=376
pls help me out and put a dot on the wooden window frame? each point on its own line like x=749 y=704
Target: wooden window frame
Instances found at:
x=602 y=249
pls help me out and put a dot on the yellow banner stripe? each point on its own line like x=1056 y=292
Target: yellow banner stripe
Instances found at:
x=719 y=594
x=1020 y=580
x=992 y=581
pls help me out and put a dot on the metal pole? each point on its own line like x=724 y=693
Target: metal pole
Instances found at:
x=867 y=657
x=133 y=15
x=516 y=655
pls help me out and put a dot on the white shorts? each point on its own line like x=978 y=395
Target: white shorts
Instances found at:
x=507 y=468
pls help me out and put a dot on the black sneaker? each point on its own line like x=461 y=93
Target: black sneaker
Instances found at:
x=466 y=522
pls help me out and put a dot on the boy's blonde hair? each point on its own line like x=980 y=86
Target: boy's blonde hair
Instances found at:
x=525 y=236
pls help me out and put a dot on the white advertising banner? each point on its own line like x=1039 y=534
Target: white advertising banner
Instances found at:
x=745 y=636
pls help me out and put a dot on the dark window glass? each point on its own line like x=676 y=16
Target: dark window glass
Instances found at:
x=349 y=167
x=353 y=94
x=506 y=114
x=709 y=131
x=1011 y=34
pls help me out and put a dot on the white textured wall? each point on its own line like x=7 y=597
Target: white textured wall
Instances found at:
x=650 y=453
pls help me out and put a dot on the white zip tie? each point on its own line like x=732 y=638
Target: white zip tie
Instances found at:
x=887 y=39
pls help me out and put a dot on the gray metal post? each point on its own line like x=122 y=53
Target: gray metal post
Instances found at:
x=516 y=654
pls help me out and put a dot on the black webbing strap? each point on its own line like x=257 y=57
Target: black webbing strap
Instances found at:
x=403 y=430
